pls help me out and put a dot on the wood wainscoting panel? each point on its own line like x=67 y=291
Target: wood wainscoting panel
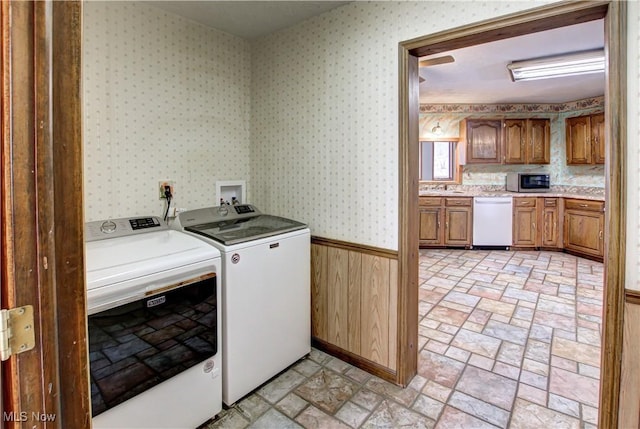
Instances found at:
x=374 y=339
x=355 y=300
x=354 y=303
x=338 y=297
x=319 y=319
x=393 y=312
x=629 y=409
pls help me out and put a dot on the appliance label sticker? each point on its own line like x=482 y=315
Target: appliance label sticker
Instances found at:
x=156 y=301
x=235 y=258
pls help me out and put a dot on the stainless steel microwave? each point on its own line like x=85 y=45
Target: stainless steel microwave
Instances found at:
x=528 y=182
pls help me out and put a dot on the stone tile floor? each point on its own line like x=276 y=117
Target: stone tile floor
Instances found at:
x=507 y=340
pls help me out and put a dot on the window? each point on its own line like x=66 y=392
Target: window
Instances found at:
x=438 y=161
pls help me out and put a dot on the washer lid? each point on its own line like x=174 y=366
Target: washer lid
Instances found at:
x=125 y=258
x=240 y=230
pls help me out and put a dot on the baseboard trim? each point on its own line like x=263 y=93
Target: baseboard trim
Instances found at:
x=361 y=248
x=355 y=360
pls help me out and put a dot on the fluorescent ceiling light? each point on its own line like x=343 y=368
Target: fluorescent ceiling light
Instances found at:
x=558 y=66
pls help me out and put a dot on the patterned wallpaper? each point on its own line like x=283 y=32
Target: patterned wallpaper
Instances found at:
x=324 y=119
x=164 y=99
x=449 y=117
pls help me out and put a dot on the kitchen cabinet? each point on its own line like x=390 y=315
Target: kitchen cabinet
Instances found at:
x=524 y=222
x=535 y=222
x=571 y=224
x=458 y=221
x=527 y=141
x=483 y=138
x=445 y=221
x=597 y=137
x=431 y=232
x=584 y=227
x=585 y=139
x=550 y=216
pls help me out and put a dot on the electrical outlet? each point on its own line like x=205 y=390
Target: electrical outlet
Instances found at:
x=170 y=184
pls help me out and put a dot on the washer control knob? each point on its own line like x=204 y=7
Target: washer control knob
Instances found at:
x=108 y=226
x=223 y=210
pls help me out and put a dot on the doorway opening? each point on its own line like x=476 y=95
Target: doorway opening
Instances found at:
x=536 y=20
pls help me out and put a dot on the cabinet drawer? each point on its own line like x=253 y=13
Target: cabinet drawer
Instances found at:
x=551 y=202
x=452 y=202
x=430 y=201
x=524 y=202
x=596 y=206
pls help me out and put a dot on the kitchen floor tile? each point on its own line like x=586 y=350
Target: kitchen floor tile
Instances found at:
x=327 y=390
x=315 y=418
x=274 y=419
x=506 y=340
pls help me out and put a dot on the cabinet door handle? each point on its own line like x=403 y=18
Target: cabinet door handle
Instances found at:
x=584 y=205
x=458 y=202
x=600 y=235
x=534 y=226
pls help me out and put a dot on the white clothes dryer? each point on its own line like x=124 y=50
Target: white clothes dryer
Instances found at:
x=154 y=325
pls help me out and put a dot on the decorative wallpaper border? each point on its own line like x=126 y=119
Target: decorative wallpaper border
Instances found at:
x=586 y=103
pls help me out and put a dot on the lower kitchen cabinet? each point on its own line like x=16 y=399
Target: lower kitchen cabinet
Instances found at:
x=431 y=231
x=535 y=222
x=584 y=227
x=525 y=216
x=458 y=221
x=445 y=221
x=550 y=224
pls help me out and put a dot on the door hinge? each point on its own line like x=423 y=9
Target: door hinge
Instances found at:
x=17 y=334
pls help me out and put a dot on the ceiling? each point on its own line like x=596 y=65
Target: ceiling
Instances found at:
x=248 y=19
x=479 y=73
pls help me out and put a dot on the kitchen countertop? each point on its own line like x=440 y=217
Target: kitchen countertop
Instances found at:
x=595 y=194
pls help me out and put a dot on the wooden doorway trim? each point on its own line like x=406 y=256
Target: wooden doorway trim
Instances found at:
x=41 y=217
x=531 y=21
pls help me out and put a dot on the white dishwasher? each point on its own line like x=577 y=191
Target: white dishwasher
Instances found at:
x=493 y=221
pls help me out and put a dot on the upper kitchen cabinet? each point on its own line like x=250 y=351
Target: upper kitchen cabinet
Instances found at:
x=597 y=137
x=527 y=141
x=585 y=139
x=483 y=139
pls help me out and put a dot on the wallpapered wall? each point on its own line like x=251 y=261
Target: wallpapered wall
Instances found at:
x=325 y=113
x=164 y=98
x=449 y=117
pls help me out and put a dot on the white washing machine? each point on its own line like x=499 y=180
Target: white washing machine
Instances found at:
x=266 y=300
x=154 y=325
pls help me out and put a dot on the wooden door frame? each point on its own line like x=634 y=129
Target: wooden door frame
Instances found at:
x=41 y=215
x=534 y=20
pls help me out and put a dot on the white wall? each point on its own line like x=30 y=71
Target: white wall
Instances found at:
x=324 y=118
x=164 y=98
